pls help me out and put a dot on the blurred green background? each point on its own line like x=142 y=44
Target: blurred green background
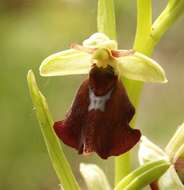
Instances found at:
x=30 y=30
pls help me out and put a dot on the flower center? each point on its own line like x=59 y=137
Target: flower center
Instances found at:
x=102 y=58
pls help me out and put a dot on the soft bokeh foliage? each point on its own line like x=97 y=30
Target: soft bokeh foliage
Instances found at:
x=33 y=29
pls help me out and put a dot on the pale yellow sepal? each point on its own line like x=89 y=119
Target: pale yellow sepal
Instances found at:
x=140 y=67
x=68 y=62
x=94 y=177
x=100 y=40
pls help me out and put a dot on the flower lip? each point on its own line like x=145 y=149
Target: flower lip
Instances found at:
x=102 y=80
x=99 y=117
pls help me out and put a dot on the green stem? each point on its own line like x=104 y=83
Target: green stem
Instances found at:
x=144 y=24
x=147 y=37
x=134 y=88
x=106 y=21
x=60 y=163
x=173 y=10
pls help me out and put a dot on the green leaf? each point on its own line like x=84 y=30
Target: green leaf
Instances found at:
x=143 y=176
x=106 y=18
x=141 y=68
x=60 y=163
x=94 y=177
x=68 y=62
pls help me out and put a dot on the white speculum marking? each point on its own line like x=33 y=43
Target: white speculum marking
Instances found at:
x=98 y=102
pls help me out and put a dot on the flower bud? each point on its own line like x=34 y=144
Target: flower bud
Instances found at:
x=94 y=177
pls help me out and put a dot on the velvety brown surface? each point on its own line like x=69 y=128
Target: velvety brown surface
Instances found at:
x=154 y=186
x=105 y=132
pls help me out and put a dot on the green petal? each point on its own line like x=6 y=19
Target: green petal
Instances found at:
x=140 y=67
x=148 y=151
x=175 y=146
x=143 y=176
x=94 y=177
x=170 y=180
x=100 y=40
x=68 y=62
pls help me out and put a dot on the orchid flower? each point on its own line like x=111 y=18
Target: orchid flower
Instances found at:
x=98 y=120
x=173 y=179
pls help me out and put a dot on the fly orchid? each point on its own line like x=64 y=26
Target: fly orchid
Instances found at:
x=173 y=179
x=98 y=120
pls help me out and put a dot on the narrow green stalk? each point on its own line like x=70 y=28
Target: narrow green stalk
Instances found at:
x=173 y=10
x=171 y=13
x=55 y=151
x=106 y=21
x=144 y=22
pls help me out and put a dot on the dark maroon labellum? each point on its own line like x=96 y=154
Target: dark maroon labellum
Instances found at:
x=98 y=120
x=154 y=185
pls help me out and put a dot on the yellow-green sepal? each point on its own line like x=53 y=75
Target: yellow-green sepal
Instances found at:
x=141 y=68
x=68 y=62
x=100 y=40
